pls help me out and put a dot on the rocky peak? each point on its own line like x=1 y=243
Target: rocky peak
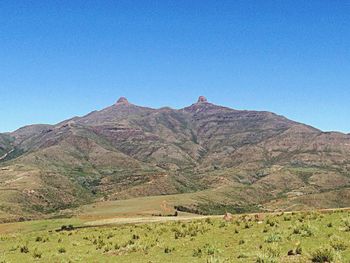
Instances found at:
x=122 y=100
x=202 y=99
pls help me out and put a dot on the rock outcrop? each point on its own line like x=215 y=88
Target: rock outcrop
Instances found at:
x=202 y=99
x=122 y=100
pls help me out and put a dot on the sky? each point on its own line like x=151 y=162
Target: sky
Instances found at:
x=60 y=59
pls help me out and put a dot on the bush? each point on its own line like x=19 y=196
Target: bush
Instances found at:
x=214 y=259
x=241 y=242
x=298 y=250
x=270 y=255
x=210 y=250
x=208 y=221
x=197 y=252
x=206 y=250
x=222 y=224
x=273 y=238
x=168 y=250
x=37 y=253
x=287 y=218
x=24 y=249
x=305 y=230
x=323 y=255
x=67 y=228
x=273 y=251
x=135 y=237
x=61 y=250
x=242 y=255
x=107 y=249
x=264 y=258
x=270 y=222
x=338 y=244
x=346 y=222
x=38 y=239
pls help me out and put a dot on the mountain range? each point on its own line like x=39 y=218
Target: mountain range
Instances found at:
x=225 y=159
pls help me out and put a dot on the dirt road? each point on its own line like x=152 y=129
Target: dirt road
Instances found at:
x=138 y=220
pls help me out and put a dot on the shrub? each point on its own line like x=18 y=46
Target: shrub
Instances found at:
x=270 y=222
x=346 y=222
x=287 y=218
x=273 y=238
x=241 y=242
x=273 y=251
x=168 y=250
x=24 y=249
x=222 y=224
x=298 y=250
x=305 y=230
x=37 y=253
x=264 y=258
x=208 y=221
x=207 y=250
x=106 y=249
x=270 y=255
x=61 y=250
x=210 y=249
x=189 y=230
x=242 y=255
x=135 y=237
x=38 y=239
x=197 y=252
x=67 y=228
x=323 y=255
x=338 y=244
x=215 y=259
x=297 y=230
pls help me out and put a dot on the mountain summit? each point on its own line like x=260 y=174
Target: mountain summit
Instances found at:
x=221 y=157
x=122 y=100
x=202 y=99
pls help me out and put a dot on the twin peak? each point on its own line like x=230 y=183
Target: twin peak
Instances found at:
x=124 y=101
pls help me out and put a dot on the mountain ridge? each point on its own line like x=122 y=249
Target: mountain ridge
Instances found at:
x=126 y=150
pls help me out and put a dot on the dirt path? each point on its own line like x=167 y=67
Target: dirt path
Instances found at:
x=139 y=220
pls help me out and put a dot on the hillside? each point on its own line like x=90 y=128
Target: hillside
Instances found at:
x=228 y=159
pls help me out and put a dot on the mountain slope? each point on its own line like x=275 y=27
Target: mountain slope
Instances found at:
x=227 y=158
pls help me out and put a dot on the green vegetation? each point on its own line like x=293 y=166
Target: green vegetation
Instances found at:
x=303 y=237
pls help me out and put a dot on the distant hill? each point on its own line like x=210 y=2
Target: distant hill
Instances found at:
x=230 y=159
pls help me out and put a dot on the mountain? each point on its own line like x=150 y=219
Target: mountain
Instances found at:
x=226 y=158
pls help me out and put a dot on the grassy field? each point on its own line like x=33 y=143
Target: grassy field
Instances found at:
x=306 y=236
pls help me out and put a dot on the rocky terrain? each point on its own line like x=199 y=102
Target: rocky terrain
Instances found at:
x=229 y=159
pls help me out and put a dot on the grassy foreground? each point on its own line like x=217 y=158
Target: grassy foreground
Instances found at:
x=292 y=237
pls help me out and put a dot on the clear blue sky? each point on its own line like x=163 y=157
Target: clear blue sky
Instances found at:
x=59 y=59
